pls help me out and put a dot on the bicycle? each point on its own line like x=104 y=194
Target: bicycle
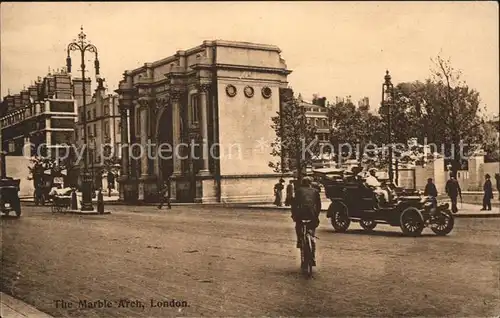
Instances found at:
x=306 y=249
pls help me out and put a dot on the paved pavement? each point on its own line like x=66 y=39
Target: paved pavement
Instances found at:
x=216 y=261
x=14 y=308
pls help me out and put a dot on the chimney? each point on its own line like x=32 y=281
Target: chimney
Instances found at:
x=62 y=87
x=78 y=90
x=17 y=101
x=33 y=93
x=25 y=97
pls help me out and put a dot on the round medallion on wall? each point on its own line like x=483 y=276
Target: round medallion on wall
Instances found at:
x=248 y=91
x=266 y=92
x=230 y=90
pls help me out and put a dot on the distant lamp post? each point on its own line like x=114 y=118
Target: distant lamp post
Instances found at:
x=388 y=100
x=82 y=45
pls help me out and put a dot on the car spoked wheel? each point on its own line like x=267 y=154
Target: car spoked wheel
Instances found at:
x=443 y=223
x=412 y=223
x=367 y=225
x=340 y=218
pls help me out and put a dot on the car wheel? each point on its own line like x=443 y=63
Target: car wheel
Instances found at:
x=412 y=223
x=18 y=210
x=367 y=224
x=340 y=218
x=443 y=224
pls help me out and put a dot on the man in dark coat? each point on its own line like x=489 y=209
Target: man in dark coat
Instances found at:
x=289 y=194
x=307 y=206
x=488 y=193
x=165 y=195
x=431 y=191
x=453 y=191
x=111 y=182
x=497 y=178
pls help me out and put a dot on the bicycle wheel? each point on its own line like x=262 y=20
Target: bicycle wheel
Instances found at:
x=309 y=257
x=306 y=252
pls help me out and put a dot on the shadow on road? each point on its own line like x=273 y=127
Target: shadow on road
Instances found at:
x=10 y=217
x=372 y=233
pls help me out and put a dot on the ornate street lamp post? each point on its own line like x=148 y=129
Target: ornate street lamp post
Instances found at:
x=387 y=100
x=82 y=45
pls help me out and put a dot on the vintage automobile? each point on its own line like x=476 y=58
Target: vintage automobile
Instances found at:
x=352 y=200
x=9 y=196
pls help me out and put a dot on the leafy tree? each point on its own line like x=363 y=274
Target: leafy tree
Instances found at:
x=490 y=130
x=354 y=126
x=295 y=144
x=442 y=111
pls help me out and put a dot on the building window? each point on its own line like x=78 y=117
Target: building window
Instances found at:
x=95 y=130
x=94 y=113
x=119 y=125
x=106 y=129
x=194 y=110
x=138 y=121
x=89 y=131
x=88 y=115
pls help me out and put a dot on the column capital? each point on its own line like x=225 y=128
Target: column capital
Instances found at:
x=176 y=95
x=161 y=101
x=203 y=88
x=143 y=102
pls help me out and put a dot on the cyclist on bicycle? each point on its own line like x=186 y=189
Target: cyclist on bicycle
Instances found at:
x=306 y=206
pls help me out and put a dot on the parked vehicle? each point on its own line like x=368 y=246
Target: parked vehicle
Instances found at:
x=352 y=201
x=9 y=196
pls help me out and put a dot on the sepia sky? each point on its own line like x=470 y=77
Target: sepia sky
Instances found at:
x=333 y=48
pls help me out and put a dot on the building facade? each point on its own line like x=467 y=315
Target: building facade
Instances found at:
x=205 y=110
x=103 y=125
x=42 y=116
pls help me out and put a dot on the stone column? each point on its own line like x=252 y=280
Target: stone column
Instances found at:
x=176 y=128
x=144 y=139
x=143 y=160
x=204 y=128
x=175 y=97
x=124 y=169
x=128 y=185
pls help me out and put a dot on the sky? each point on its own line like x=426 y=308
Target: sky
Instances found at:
x=333 y=48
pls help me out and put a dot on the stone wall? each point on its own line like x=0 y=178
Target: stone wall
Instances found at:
x=469 y=180
x=17 y=168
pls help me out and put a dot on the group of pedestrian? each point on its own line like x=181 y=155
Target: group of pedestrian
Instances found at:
x=453 y=191
x=290 y=191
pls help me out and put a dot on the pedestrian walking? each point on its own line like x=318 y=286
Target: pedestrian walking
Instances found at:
x=165 y=195
x=431 y=191
x=453 y=191
x=100 y=201
x=278 y=193
x=497 y=178
x=289 y=193
x=111 y=182
x=488 y=193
